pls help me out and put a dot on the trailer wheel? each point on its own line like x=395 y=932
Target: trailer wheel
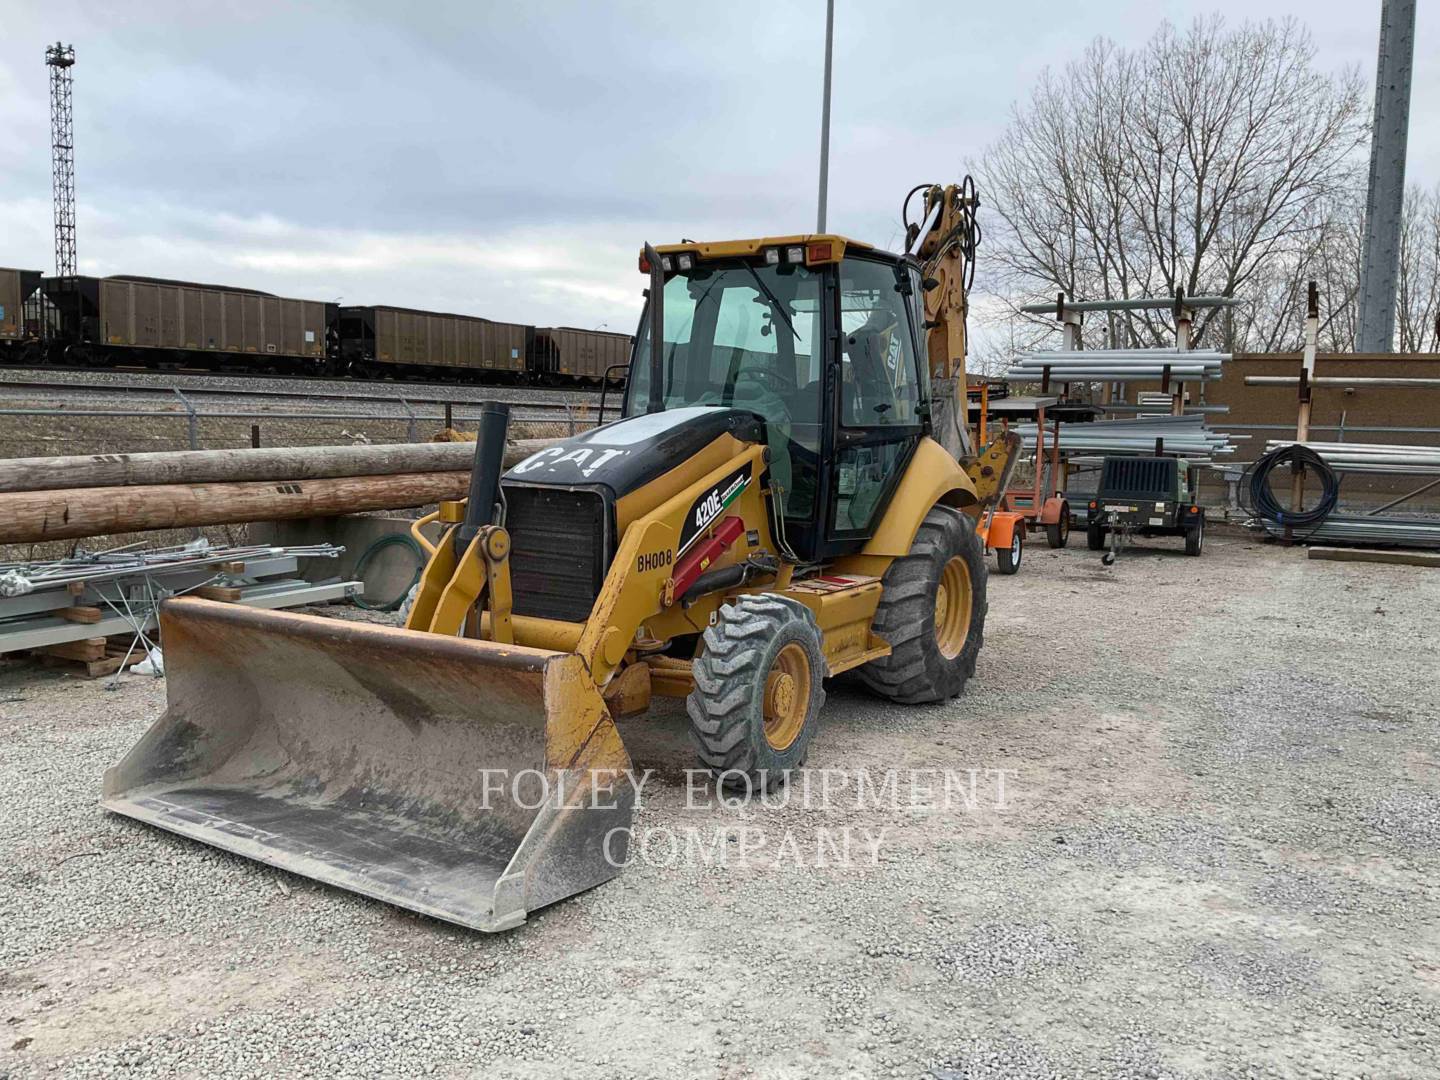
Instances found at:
x=1095 y=537
x=932 y=612
x=1008 y=559
x=1195 y=538
x=758 y=691
x=1058 y=534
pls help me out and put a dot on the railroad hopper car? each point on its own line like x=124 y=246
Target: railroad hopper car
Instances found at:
x=381 y=341
x=563 y=354
x=19 y=311
x=152 y=320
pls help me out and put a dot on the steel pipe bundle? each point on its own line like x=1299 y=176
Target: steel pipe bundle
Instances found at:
x=1369 y=531
x=1186 y=435
x=1117 y=365
x=1374 y=457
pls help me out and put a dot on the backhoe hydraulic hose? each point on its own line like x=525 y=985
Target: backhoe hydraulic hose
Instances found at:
x=1261 y=496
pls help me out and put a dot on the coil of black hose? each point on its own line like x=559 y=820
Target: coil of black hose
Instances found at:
x=1261 y=496
x=393 y=540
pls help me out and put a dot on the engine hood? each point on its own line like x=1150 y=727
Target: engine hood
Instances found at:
x=627 y=454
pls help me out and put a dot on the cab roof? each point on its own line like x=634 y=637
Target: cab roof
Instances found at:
x=819 y=248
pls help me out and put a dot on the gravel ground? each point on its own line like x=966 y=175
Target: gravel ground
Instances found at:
x=1216 y=856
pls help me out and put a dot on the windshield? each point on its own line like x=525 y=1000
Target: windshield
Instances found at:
x=747 y=337
x=734 y=333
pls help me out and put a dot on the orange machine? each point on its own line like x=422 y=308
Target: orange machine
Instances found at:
x=1009 y=513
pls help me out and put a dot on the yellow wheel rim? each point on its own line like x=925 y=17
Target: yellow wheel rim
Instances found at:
x=787 y=696
x=953 y=600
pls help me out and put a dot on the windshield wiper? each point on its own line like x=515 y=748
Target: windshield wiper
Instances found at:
x=774 y=300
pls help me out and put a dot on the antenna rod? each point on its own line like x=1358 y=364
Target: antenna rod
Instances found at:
x=825 y=114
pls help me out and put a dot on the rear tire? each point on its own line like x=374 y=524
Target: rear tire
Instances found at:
x=940 y=583
x=1095 y=537
x=758 y=692
x=1008 y=559
x=1195 y=538
x=1058 y=535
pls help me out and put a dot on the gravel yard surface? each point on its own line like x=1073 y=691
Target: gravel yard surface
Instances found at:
x=1217 y=854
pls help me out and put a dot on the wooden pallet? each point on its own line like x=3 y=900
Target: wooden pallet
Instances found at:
x=92 y=658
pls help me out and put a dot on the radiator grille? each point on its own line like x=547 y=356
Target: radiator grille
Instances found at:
x=557 y=551
x=1141 y=478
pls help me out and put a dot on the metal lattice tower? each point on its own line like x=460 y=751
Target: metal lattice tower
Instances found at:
x=60 y=59
x=1383 y=208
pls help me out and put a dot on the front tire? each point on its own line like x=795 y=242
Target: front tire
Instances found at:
x=1007 y=560
x=932 y=612
x=758 y=692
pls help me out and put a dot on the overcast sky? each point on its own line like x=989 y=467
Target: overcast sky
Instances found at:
x=508 y=160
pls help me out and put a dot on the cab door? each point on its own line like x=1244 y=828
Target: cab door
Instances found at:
x=878 y=398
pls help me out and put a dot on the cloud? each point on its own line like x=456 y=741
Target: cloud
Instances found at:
x=509 y=160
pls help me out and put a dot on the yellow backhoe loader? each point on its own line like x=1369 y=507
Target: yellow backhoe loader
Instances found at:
x=781 y=500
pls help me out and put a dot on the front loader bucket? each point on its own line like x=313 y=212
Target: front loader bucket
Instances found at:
x=470 y=781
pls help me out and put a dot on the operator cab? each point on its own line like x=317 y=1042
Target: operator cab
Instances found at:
x=746 y=325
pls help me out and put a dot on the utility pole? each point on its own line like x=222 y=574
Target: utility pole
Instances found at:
x=1386 y=200
x=825 y=114
x=60 y=59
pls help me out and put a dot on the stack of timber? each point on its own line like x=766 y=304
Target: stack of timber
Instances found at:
x=64 y=498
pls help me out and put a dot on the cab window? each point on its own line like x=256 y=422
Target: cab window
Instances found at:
x=878 y=381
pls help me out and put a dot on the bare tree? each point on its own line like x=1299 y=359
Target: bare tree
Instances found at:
x=1276 y=300
x=1206 y=161
x=1417 y=305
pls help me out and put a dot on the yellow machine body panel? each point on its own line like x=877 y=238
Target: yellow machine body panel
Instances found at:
x=467 y=766
x=933 y=477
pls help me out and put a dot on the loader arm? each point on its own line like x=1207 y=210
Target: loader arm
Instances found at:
x=944 y=241
x=990 y=472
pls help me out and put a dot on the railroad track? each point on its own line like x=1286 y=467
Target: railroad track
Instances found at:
x=306 y=386
x=539 y=400
x=49 y=398
x=195 y=374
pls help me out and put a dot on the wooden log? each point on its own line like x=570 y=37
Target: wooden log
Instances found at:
x=245 y=465
x=1370 y=555
x=79 y=613
x=35 y=516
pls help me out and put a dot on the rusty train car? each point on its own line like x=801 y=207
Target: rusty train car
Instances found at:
x=154 y=321
x=563 y=354
x=376 y=342
x=20 y=329
x=159 y=323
